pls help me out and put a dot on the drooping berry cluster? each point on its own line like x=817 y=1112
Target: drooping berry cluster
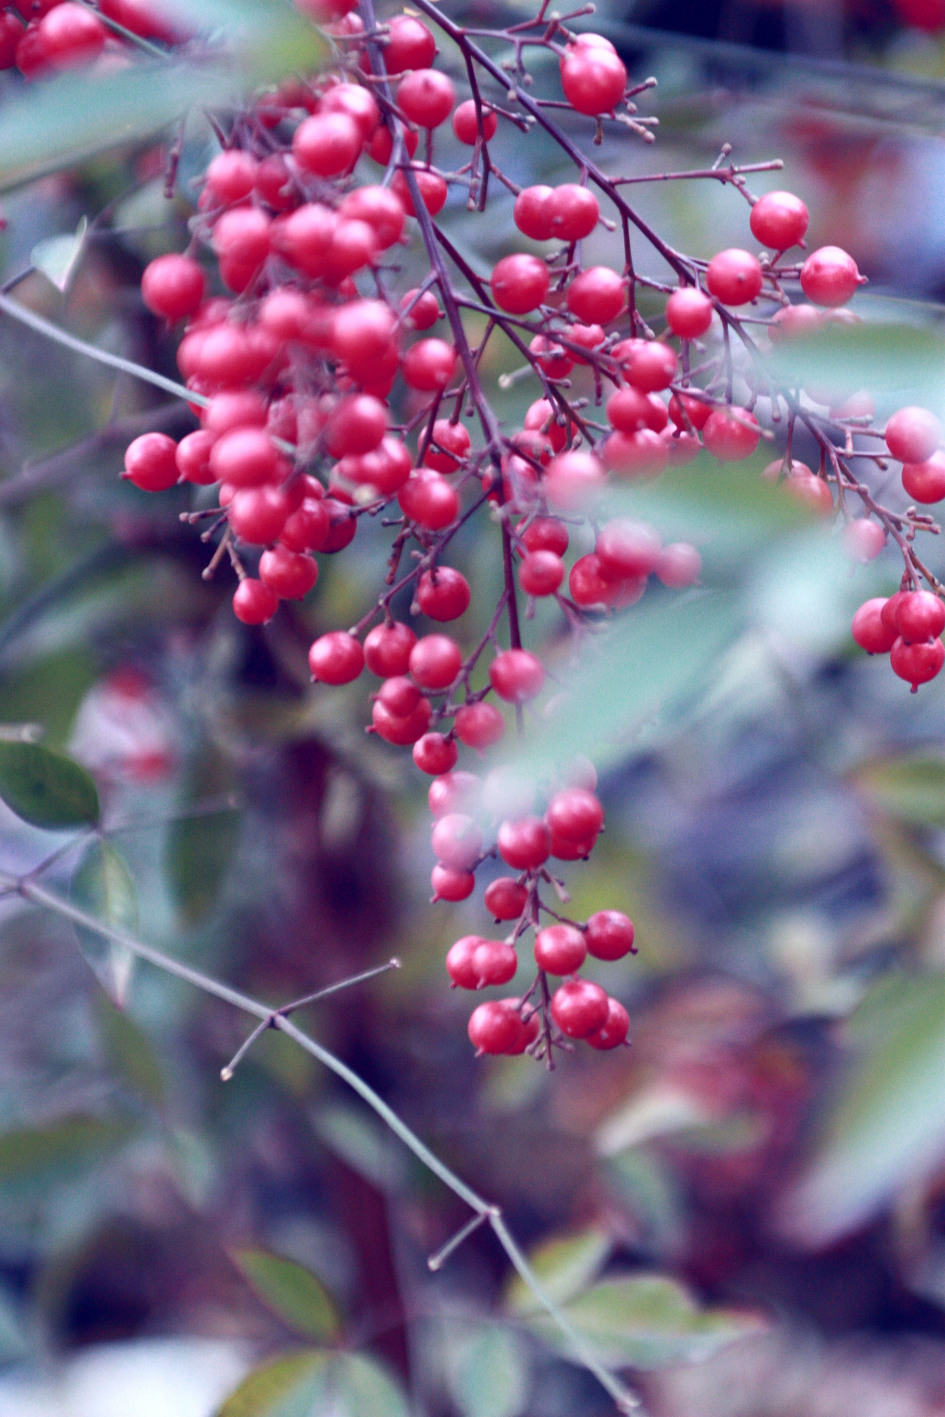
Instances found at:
x=42 y=37
x=325 y=396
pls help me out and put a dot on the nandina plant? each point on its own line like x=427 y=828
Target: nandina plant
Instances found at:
x=331 y=389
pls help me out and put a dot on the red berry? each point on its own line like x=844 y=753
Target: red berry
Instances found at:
x=609 y=935
x=734 y=277
x=913 y=434
x=478 y=725
x=450 y=884
x=627 y=550
x=614 y=1029
x=574 y=814
x=574 y=212
x=920 y=615
x=689 y=312
x=505 y=898
x=466 y=123
x=257 y=515
x=649 y=366
x=496 y=1027
x=519 y=283
x=172 y=286
x=829 y=276
x=453 y=792
x=410 y=45
x=457 y=840
x=560 y=949
x=71 y=34
x=443 y=593
x=291 y=574
x=429 y=365
x=193 y=458
x=925 y=481
x=401 y=730
x=593 y=79
x=231 y=176
x=864 y=539
x=524 y=844
x=336 y=658
x=419 y=310
x=731 y=434
x=435 y=661
x=779 y=220
x=151 y=462
x=245 y=457
x=387 y=649
x=516 y=675
x=495 y=962
x=541 y=573
x=429 y=500
x=253 y=602
x=679 y=566
x=597 y=295
x=426 y=97
x=579 y=1007
x=435 y=754
x=459 y=962
x=449 y=446
x=531 y=213
x=917 y=663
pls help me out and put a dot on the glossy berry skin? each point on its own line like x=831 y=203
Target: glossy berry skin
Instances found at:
x=573 y=212
x=151 y=462
x=459 y=962
x=574 y=814
x=336 y=658
x=731 y=434
x=466 y=123
x=450 y=884
x=496 y=1027
x=71 y=34
x=579 y=1007
x=453 y=792
x=387 y=649
x=560 y=949
x=479 y=726
x=925 y=481
x=734 y=277
x=913 y=434
x=426 y=97
x=435 y=754
x=920 y=615
x=505 y=898
x=609 y=935
x=291 y=574
x=410 y=45
x=172 y=286
x=541 y=573
x=495 y=962
x=597 y=295
x=779 y=220
x=524 y=844
x=517 y=675
x=429 y=365
x=257 y=515
x=593 y=79
x=917 y=663
x=519 y=283
x=614 y=1030
x=443 y=595
x=435 y=661
x=457 y=840
x=829 y=276
x=863 y=539
x=253 y=602
x=689 y=312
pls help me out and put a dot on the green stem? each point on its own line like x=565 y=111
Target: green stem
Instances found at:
x=80 y=346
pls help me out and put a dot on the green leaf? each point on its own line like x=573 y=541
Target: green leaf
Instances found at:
x=564 y=1265
x=130 y=1053
x=58 y=256
x=885 y=1128
x=46 y=788
x=912 y=789
x=644 y=667
x=296 y=1295
x=882 y=358
x=316 y=1384
x=200 y=848
x=648 y=1321
x=487 y=1370
x=102 y=886
x=34 y=1155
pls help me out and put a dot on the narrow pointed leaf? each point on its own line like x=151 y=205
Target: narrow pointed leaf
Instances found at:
x=46 y=788
x=58 y=256
x=886 y=1127
x=103 y=887
x=292 y=1292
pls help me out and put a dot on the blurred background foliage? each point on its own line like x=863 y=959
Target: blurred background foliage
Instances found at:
x=748 y=1205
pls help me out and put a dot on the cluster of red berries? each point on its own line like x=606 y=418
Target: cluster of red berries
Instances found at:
x=323 y=400
x=40 y=37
